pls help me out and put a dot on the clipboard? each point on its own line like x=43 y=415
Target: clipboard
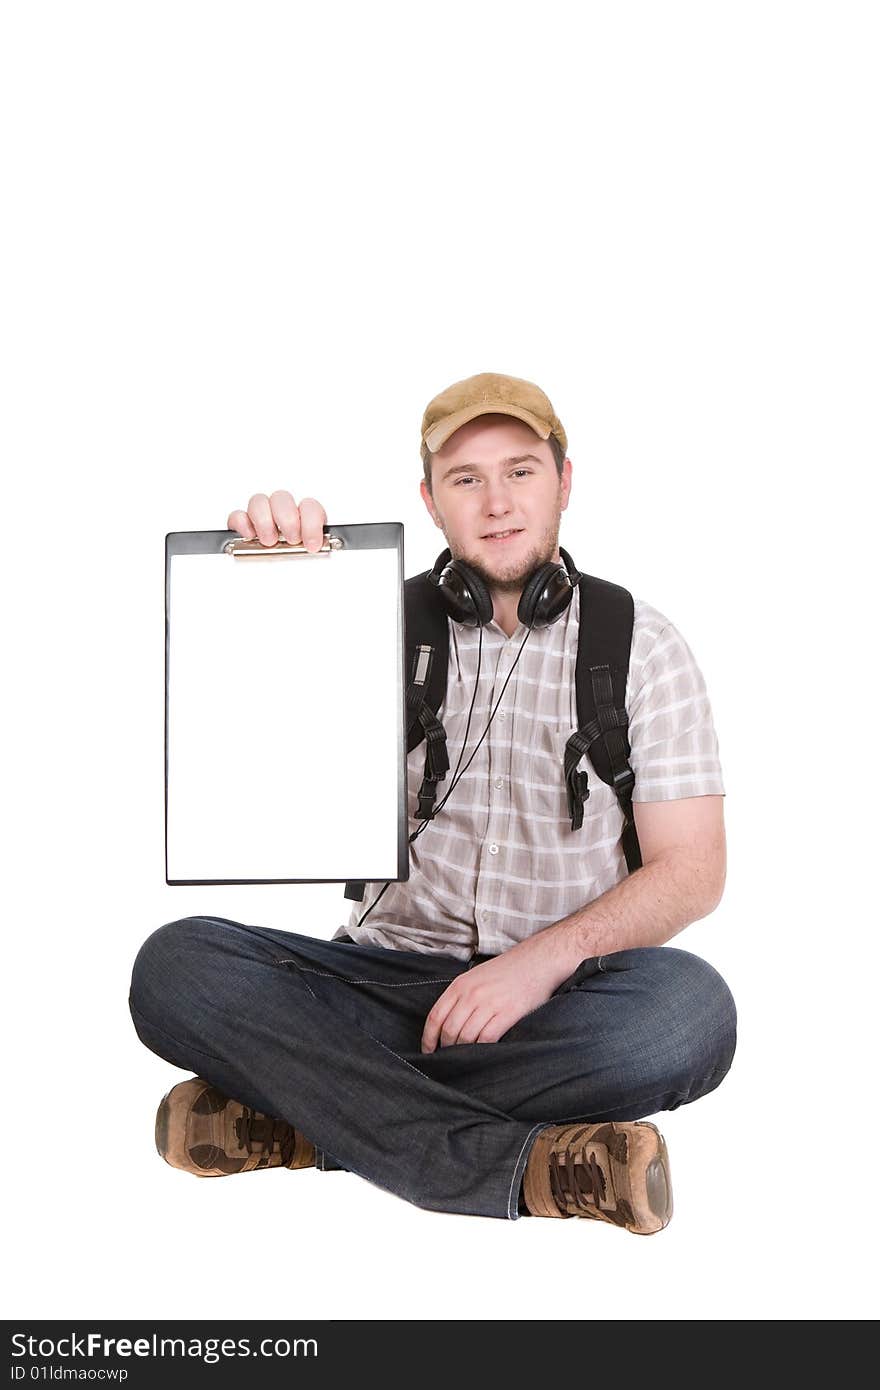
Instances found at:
x=285 y=727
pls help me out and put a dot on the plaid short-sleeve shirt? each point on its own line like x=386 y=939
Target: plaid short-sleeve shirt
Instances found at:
x=501 y=860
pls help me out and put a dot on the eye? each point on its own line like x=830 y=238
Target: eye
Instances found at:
x=468 y=477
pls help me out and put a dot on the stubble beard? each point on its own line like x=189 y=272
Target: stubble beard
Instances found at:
x=509 y=576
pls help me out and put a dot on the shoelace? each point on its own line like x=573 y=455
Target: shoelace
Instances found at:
x=580 y=1180
x=254 y=1128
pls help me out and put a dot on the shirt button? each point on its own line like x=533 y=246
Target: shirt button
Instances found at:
x=493 y=849
x=499 y=781
x=502 y=716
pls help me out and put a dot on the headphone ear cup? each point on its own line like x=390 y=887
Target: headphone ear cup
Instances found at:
x=546 y=596
x=466 y=596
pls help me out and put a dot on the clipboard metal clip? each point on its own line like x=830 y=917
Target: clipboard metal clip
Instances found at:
x=244 y=547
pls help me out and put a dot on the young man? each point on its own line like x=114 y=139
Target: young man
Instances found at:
x=488 y=1041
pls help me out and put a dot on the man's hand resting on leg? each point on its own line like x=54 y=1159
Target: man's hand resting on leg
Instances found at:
x=488 y=999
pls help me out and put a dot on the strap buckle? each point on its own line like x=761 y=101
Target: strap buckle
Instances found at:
x=624 y=782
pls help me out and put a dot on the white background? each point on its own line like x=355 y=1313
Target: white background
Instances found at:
x=244 y=246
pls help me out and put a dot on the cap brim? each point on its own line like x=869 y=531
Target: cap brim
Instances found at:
x=439 y=433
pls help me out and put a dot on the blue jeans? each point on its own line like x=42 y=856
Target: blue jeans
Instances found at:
x=326 y=1035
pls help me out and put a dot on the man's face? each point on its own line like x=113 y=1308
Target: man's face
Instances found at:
x=496 y=474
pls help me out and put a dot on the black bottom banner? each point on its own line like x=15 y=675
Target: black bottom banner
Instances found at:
x=193 y=1353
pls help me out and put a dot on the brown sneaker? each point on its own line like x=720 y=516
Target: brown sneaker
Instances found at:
x=208 y=1134
x=617 y=1171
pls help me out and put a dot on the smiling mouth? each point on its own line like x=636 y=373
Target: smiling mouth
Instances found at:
x=504 y=535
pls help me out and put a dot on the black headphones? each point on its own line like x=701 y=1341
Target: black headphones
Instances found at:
x=546 y=594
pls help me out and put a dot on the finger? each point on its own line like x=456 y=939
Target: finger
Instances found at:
x=313 y=519
x=472 y=1027
x=286 y=516
x=260 y=513
x=455 y=1022
x=430 y=1033
x=434 y=1021
x=493 y=1029
x=240 y=521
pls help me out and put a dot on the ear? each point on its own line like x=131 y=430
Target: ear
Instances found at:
x=426 y=498
x=565 y=482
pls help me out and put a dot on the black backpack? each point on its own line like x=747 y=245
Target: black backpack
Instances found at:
x=604 y=641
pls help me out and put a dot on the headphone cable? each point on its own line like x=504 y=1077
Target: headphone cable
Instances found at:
x=455 y=776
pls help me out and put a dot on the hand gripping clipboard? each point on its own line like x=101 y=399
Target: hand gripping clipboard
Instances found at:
x=285 y=727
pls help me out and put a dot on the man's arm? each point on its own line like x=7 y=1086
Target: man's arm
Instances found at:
x=681 y=879
x=684 y=867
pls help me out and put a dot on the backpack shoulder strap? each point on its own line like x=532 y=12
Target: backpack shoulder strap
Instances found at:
x=426 y=624
x=427 y=655
x=426 y=632
x=604 y=643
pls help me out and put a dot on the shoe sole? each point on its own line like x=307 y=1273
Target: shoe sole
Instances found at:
x=162 y=1134
x=168 y=1125
x=658 y=1186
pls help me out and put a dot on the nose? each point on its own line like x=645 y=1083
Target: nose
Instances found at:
x=497 y=499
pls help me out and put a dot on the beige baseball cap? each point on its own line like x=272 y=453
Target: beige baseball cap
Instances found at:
x=488 y=393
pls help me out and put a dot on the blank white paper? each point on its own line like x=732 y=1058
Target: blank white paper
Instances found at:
x=283 y=716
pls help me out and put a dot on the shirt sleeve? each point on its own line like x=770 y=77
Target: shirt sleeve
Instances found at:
x=674 y=746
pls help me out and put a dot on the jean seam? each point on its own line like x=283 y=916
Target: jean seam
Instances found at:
x=377 y=1041
x=386 y=984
